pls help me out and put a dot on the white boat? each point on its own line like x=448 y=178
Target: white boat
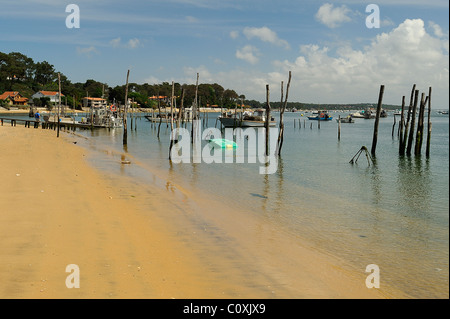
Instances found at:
x=347 y=119
x=358 y=115
x=102 y=116
x=256 y=118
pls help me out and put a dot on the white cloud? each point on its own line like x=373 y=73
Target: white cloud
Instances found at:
x=234 y=34
x=131 y=44
x=266 y=35
x=248 y=53
x=191 y=75
x=152 y=80
x=115 y=42
x=436 y=29
x=398 y=59
x=191 y=19
x=333 y=17
x=87 y=51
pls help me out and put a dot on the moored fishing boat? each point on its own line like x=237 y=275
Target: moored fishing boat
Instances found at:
x=321 y=116
x=347 y=119
x=256 y=118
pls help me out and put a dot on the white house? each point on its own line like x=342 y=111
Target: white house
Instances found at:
x=53 y=96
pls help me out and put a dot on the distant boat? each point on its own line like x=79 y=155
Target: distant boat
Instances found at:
x=443 y=112
x=256 y=118
x=348 y=119
x=222 y=143
x=103 y=116
x=322 y=116
x=358 y=114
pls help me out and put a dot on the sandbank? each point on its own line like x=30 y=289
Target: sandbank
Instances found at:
x=137 y=242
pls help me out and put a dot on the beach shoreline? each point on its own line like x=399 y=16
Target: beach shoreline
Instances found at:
x=136 y=241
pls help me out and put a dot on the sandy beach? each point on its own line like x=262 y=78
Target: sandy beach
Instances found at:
x=57 y=210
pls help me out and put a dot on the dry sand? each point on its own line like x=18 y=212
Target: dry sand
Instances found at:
x=56 y=210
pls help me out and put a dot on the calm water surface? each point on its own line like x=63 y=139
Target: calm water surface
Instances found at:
x=393 y=213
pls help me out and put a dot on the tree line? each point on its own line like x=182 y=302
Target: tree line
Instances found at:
x=19 y=72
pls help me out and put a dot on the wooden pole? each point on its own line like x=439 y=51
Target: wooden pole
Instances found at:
x=402 y=123
x=377 y=120
x=419 y=132
x=181 y=109
x=59 y=105
x=171 y=106
x=125 y=110
x=413 y=122
x=267 y=118
x=283 y=108
x=160 y=117
x=393 y=126
x=405 y=136
x=339 y=128
x=194 y=111
x=427 y=152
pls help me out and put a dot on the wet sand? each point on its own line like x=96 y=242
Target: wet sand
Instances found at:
x=140 y=241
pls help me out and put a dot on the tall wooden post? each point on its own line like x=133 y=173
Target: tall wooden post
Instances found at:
x=282 y=109
x=405 y=136
x=413 y=123
x=377 y=120
x=194 y=111
x=427 y=152
x=59 y=104
x=125 y=136
x=339 y=128
x=267 y=118
x=419 y=133
x=402 y=123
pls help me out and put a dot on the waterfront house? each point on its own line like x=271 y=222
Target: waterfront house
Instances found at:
x=53 y=96
x=13 y=98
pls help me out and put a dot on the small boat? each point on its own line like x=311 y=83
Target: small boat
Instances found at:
x=347 y=119
x=222 y=143
x=256 y=118
x=369 y=113
x=443 y=112
x=322 y=116
x=359 y=115
x=103 y=116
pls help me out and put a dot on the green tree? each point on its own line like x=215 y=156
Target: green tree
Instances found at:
x=44 y=73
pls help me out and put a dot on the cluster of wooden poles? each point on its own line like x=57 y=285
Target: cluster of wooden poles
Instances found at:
x=406 y=129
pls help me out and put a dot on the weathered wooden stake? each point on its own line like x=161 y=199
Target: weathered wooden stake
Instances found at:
x=405 y=136
x=281 y=133
x=194 y=111
x=427 y=152
x=377 y=120
x=339 y=128
x=160 y=118
x=59 y=105
x=413 y=122
x=267 y=118
x=125 y=133
x=419 y=133
x=402 y=123
x=393 y=126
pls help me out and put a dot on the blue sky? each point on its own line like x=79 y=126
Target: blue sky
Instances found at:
x=243 y=45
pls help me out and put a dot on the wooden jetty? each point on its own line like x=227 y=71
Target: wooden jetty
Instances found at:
x=47 y=125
